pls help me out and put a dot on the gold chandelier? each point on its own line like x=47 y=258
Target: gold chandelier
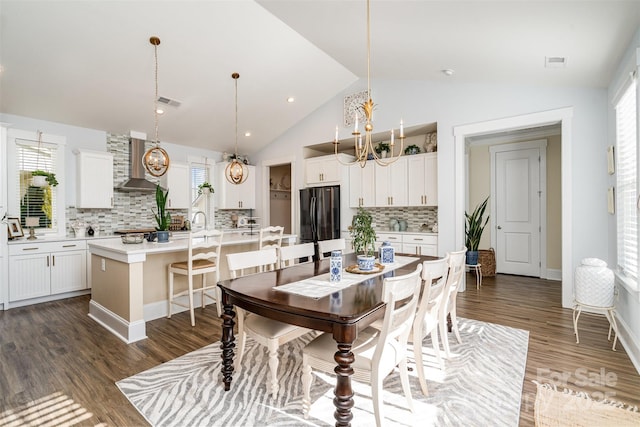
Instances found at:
x=236 y=171
x=156 y=160
x=364 y=149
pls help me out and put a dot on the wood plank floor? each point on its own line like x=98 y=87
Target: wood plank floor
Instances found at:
x=55 y=355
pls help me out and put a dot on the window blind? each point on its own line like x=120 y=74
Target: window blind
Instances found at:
x=626 y=182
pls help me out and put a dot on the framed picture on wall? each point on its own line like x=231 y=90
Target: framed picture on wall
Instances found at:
x=15 y=229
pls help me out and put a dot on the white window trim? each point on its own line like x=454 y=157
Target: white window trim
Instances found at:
x=13 y=204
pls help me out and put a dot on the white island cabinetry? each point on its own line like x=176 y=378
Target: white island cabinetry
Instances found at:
x=42 y=269
x=95 y=180
x=236 y=196
x=177 y=181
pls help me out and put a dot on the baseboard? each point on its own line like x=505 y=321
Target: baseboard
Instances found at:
x=160 y=309
x=128 y=332
x=630 y=345
x=554 y=274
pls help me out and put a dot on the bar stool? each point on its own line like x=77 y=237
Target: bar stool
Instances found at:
x=595 y=290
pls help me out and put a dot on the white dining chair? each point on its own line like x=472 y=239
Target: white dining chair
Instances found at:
x=271 y=237
x=454 y=281
x=293 y=254
x=203 y=258
x=377 y=352
x=266 y=332
x=326 y=246
x=434 y=278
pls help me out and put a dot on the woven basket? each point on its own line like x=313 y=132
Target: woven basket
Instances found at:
x=487 y=258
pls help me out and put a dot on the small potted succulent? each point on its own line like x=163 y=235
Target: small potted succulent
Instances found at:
x=162 y=216
x=364 y=239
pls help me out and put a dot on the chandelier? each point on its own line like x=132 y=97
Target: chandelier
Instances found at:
x=236 y=171
x=364 y=150
x=156 y=160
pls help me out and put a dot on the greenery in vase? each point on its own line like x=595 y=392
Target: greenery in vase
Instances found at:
x=382 y=146
x=412 y=149
x=362 y=233
x=50 y=177
x=205 y=187
x=474 y=226
x=163 y=217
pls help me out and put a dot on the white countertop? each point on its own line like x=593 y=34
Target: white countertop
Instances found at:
x=113 y=248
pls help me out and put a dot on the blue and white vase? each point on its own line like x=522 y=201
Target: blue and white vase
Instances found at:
x=387 y=253
x=335 y=266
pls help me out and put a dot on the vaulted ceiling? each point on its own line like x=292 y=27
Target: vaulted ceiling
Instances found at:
x=90 y=63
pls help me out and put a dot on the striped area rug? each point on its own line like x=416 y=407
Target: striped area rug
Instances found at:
x=480 y=385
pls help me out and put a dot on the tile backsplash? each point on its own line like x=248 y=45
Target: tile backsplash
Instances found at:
x=415 y=217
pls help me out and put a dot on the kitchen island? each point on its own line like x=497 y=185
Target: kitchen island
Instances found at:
x=129 y=282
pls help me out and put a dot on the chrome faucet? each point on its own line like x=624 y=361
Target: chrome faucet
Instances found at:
x=193 y=220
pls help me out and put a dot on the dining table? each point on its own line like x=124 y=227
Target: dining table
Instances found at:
x=342 y=312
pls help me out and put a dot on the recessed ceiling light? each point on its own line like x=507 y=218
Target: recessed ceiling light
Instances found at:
x=447 y=72
x=160 y=111
x=247 y=133
x=290 y=99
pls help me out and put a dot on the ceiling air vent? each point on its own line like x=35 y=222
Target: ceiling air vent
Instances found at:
x=555 y=62
x=169 y=101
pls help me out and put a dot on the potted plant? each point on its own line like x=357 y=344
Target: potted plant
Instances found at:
x=42 y=178
x=412 y=149
x=162 y=216
x=473 y=228
x=364 y=239
x=205 y=188
x=382 y=149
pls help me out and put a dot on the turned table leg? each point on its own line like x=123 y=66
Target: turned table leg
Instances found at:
x=343 y=392
x=228 y=344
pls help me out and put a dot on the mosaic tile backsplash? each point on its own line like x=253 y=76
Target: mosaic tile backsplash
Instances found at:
x=415 y=217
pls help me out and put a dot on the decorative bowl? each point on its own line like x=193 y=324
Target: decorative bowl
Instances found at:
x=132 y=238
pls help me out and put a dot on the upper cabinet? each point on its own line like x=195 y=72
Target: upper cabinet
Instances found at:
x=391 y=183
x=236 y=196
x=422 y=173
x=324 y=170
x=177 y=181
x=361 y=192
x=95 y=179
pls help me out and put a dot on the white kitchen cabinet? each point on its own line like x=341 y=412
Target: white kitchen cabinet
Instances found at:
x=420 y=244
x=391 y=184
x=361 y=188
x=422 y=183
x=94 y=186
x=178 y=181
x=46 y=268
x=236 y=196
x=324 y=170
x=394 y=239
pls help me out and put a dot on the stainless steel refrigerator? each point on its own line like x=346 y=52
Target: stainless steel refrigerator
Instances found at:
x=319 y=214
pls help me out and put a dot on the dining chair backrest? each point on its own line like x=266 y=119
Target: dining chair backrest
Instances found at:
x=241 y=261
x=456 y=270
x=291 y=253
x=205 y=244
x=271 y=237
x=434 y=278
x=326 y=246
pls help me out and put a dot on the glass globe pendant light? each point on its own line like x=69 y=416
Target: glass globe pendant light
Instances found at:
x=236 y=171
x=156 y=160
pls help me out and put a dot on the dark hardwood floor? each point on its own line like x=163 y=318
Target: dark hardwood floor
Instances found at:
x=53 y=355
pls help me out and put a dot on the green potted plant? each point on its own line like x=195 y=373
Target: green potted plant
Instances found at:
x=412 y=149
x=162 y=216
x=364 y=239
x=48 y=177
x=205 y=188
x=382 y=149
x=473 y=228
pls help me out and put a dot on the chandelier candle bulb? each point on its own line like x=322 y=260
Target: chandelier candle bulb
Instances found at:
x=401 y=129
x=392 y=137
x=336 y=139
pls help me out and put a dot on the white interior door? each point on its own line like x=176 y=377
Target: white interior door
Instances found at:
x=516 y=169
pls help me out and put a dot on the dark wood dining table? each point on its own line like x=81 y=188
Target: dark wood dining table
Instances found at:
x=341 y=314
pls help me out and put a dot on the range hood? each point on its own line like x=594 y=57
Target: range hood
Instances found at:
x=137 y=181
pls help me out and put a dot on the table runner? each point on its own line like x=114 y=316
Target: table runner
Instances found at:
x=320 y=286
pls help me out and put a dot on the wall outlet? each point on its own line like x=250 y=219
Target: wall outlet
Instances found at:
x=103 y=264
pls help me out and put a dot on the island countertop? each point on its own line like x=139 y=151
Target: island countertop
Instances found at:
x=114 y=248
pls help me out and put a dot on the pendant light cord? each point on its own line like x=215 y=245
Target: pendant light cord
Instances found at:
x=155 y=102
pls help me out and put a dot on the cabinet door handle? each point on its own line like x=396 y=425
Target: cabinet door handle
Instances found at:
x=29 y=249
x=53 y=257
x=418 y=240
x=47 y=260
x=68 y=246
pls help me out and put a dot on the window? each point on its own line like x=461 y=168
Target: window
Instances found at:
x=626 y=182
x=38 y=206
x=200 y=201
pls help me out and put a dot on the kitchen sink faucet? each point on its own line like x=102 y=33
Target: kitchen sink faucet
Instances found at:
x=193 y=220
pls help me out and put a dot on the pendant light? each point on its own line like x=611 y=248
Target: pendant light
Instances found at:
x=236 y=171
x=156 y=160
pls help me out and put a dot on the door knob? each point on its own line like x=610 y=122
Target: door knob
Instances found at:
x=499 y=228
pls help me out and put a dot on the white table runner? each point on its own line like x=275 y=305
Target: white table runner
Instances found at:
x=320 y=286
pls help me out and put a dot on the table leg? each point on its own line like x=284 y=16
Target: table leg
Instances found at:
x=228 y=344
x=343 y=392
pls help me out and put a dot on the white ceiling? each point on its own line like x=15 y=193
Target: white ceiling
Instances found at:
x=90 y=64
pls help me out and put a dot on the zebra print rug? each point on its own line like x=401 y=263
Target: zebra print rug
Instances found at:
x=480 y=385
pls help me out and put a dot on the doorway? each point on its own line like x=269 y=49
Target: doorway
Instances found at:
x=280 y=196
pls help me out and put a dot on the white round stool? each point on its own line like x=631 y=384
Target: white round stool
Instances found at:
x=595 y=291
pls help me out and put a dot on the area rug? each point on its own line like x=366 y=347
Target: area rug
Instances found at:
x=481 y=384
x=566 y=407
